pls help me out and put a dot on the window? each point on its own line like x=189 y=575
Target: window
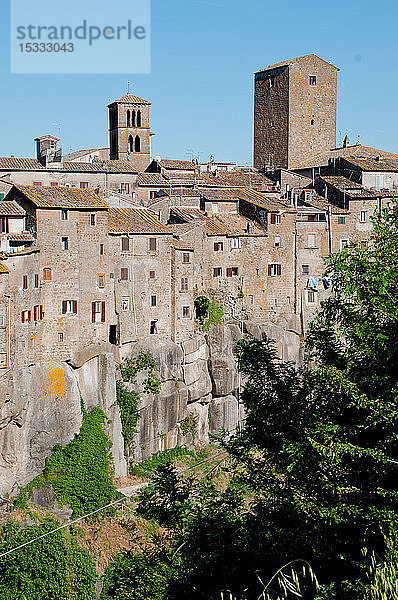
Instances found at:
x=364 y=216
x=2 y=321
x=125 y=244
x=101 y=281
x=152 y=194
x=137 y=144
x=26 y=316
x=378 y=182
x=312 y=79
x=151 y=274
x=65 y=243
x=250 y=299
x=37 y=183
x=98 y=312
x=128 y=118
x=154 y=300
x=311 y=296
x=101 y=249
x=235 y=243
x=311 y=240
x=133 y=118
x=277 y=241
x=217 y=272
x=36 y=280
x=274 y=270
x=138 y=118
x=153 y=327
x=312 y=121
x=83 y=185
x=38 y=312
x=93 y=219
x=218 y=246
x=186 y=312
x=124 y=274
x=60 y=336
x=125 y=303
x=25 y=282
x=64 y=215
x=125 y=188
x=69 y=307
x=185 y=257
x=275 y=219
x=305 y=269
x=3 y=360
x=53 y=184
x=131 y=143
x=152 y=244
x=341 y=220
x=232 y=271
x=46 y=274
x=184 y=284
x=344 y=244
x=272 y=123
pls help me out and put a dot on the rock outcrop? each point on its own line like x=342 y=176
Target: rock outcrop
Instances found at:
x=40 y=406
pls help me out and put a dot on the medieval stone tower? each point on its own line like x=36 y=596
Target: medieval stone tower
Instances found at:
x=129 y=131
x=294 y=112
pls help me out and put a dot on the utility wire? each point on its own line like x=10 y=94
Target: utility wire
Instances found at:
x=151 y=485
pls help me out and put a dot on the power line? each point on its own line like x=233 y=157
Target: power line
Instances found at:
x=151 y=485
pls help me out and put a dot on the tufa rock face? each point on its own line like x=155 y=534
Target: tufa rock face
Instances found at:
x=40 y=406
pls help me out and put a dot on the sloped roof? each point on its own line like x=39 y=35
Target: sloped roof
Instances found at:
x=9 y=208
x=20 y=164
x=130 y=99
x=181 y=245
x=212 y=225
x=286 y=63
x=262 y=200
x=237 y=179
x=169 y=163
x=151 y=179
x=371 y=163
x=106 y=166
x=135 y=220
x=321 y=203
x=353 y=189
x=236 y=224
x=4 y=269
x=322 y=159
x=62 y=197
x=178 y=191
x=47 y=137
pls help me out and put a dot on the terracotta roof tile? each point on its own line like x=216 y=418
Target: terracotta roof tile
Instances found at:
x=135 y=220
x=106 y=166
x=286 y=63
x=4 y=269
x=20 y=237
x=178 y=164
x=20 y=164
x=194 y=215
x=60 y=197
x=130 y=99
x=181 y=245
x=9 y=208
x=322 y=159
x=151 y=179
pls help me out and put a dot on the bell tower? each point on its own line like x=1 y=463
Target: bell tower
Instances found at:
x=129 y=131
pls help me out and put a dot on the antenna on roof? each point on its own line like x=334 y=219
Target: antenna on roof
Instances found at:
x=128 y=87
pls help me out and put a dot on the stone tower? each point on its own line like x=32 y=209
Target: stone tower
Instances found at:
x=294 y=112
x=129 y=131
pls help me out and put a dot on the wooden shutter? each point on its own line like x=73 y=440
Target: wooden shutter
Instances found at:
x=41 y=312
x=124 y=274
x=29 y=315
x=64 y=307
x=125 y=244
x=273 y=218
x=23 y=316
x=93 y=312
x=47 y=274
x=74 y=307
x=229 y=272
x=278 y=269
x=35 y=313
x=102 y=312
x=269 y=270
x=152 y=244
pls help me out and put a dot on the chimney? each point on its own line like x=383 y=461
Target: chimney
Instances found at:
x=346 y=142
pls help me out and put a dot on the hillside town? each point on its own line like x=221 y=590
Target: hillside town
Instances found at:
x=109 y=246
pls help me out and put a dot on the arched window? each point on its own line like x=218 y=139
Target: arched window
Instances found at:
x=137 y=143
x=133 y=118
x=139 y=118
x=131 y=143
x=128 y=118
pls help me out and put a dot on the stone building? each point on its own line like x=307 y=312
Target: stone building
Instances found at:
x=294 y=111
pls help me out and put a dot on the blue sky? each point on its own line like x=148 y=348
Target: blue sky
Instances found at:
x=204 y=53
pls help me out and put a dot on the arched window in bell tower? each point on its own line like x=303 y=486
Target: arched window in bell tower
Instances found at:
x=137 y=143
x=133 y=118
x=138 y=118
x=131 y=143
x=128 y=118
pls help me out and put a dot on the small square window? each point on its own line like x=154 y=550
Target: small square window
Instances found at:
x=344 y=244
x=124 y=274
x=312 y=79
x=274 y=270
x=152 y=244
x=53 y=184
x=2 y=321
x=36 y=280
x=217 y=272
x=311 y=240
x=364 y=216
x=151 y=274
x=93 y=219
x=152 y=194
x=235 y=243
x=101 y=281
x=83 y=185
x=275 y=219
x=341 y=220
x=154 y=300
x=64 y=215
x=101 y=249
x=153 y=327
x=47 y=274
x=60 y=336
x=277 y=241
x=305 y=269
x=311 y=296
x=184 y=284
x=65 y=243
x=186 y=312
x=185 y=257
x=125 y=303
x=3 y=360
x=218 y=246
x=232 y=271
x=125 y=244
